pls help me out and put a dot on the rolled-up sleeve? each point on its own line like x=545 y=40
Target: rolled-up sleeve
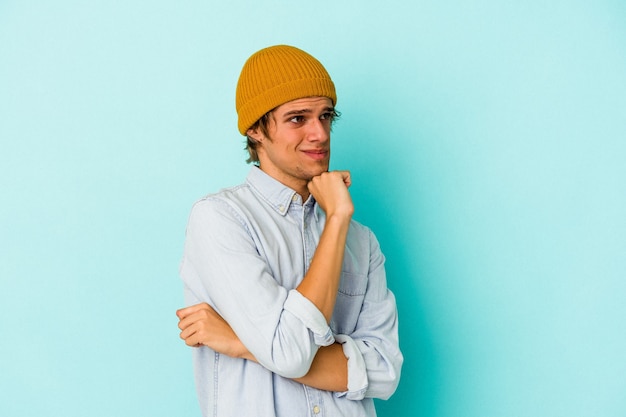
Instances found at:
x=222 y=265
x=357 y=370
x=302 y=308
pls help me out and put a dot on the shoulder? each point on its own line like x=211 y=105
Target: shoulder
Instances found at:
x=226 y=199
x=229 y=204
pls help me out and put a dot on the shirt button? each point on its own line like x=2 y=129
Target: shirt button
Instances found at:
x=316 y=409
x=294 y=198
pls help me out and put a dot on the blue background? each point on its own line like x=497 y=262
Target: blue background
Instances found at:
x=487 y=142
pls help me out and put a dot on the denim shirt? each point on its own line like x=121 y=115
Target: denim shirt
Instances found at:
x=246 y=250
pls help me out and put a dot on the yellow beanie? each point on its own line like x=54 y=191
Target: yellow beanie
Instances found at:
x=276 y=75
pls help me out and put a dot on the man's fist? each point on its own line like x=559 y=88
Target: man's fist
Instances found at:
x=330 y=190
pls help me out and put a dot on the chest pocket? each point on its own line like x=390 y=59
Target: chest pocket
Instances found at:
x=349 y=302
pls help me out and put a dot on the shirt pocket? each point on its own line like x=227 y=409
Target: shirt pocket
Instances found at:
x=350 y=296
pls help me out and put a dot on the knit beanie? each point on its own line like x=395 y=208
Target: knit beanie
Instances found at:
x=274 y=76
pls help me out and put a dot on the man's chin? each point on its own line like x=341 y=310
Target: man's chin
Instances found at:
x=311 y=171
x=319 y=171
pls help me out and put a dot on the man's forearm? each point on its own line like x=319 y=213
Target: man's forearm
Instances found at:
x=329 y=370
x=321 y=282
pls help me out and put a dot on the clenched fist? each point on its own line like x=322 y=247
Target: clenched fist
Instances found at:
x=330 y=190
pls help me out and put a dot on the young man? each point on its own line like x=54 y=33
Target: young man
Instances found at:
x=289 y=313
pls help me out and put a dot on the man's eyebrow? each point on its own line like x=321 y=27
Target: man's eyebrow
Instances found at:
x=304 y=111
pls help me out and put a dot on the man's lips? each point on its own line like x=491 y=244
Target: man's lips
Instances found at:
x=316 y=154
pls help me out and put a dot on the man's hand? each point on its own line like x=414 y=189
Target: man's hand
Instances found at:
x=201 y=325
x=330 y=190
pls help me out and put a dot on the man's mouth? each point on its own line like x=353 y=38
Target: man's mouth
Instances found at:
x=317 y=154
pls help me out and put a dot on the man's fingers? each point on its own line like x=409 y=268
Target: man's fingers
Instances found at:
x=186 y=322
x=192 y=335
x=186 y=333
x=184 y=312
x=195 y=315
x=346 y=178
x=329 y=178
x=191 y=339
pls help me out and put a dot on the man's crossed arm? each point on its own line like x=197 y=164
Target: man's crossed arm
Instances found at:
x=201 y=326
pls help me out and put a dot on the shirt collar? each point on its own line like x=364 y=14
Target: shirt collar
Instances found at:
x=276 y=194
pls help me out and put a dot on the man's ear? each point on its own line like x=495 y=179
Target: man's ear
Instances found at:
x=255 y=134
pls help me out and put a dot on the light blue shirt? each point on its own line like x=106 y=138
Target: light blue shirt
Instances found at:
x=247 y=248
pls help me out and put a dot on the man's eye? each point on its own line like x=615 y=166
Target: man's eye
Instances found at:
x=297 y=119
x=327 y=116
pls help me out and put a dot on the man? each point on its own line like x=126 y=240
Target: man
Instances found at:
x=289 y=310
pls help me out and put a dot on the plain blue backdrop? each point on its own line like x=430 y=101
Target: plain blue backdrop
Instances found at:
x=487 y=143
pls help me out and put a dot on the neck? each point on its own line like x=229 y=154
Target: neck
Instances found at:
x=299 y=185
x=304 y=194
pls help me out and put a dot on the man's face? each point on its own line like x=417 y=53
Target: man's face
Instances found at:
x=298 y=147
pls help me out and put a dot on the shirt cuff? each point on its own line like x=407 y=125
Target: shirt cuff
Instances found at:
x=357 y=373
x=300 y=306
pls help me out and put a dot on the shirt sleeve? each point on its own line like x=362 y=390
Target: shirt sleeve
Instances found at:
x=372 y=349
x=222 y=266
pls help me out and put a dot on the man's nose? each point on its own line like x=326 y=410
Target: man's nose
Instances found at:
x=318 y=131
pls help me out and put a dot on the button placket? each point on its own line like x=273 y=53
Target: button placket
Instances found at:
x=314 y=399
x=307 y=237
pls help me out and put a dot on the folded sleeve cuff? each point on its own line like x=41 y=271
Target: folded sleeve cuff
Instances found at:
x=309 y=314
x=357 y=373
